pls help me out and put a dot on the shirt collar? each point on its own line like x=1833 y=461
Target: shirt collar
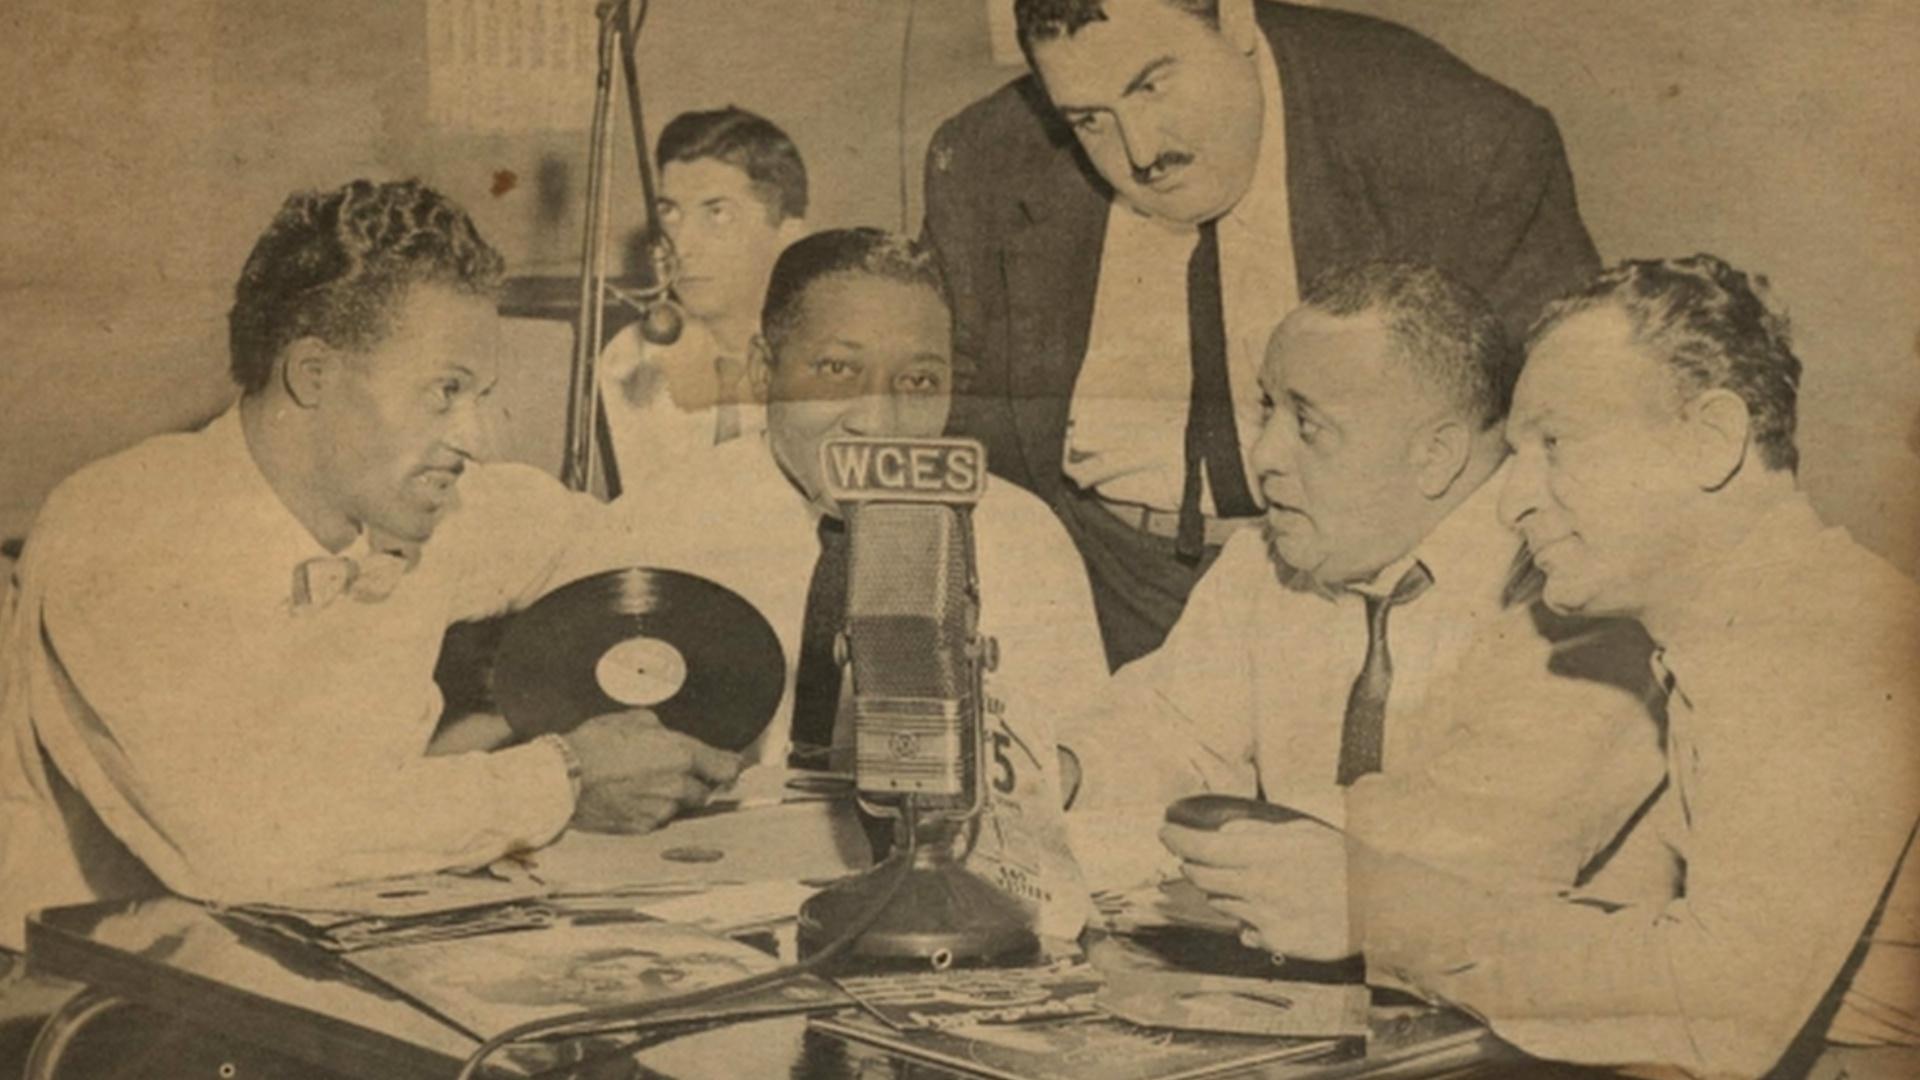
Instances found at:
x=775 y=473
x=1263 y=212
x=255 y=515
x=1726 y=594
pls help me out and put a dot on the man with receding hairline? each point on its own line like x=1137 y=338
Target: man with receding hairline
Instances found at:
x=1377 y=658
x=1123 y=228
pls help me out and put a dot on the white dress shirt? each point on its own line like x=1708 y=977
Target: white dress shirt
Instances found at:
x=237 y=744
x=1792 y=757
x=1126 y=427
x=661 y=402
x=733 y=516
x=1489 y=722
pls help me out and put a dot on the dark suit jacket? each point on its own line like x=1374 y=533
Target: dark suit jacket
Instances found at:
x=1394 y=149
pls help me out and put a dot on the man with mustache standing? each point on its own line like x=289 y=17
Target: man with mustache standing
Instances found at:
x=1122 y=229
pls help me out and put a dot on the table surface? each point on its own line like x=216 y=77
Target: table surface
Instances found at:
x=183 y=960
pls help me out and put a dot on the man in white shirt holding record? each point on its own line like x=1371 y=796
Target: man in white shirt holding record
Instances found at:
x=218 y=675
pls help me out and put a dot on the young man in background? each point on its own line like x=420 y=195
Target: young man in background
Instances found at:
x=733 y=193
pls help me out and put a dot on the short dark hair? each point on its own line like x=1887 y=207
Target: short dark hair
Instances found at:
x=748 y=142
x=336 y=266
x=1044 y=20
x=1713 y=327
x=835 y=252
x=1440 y=326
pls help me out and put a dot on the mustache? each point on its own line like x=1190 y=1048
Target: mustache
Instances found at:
x=1172 y=159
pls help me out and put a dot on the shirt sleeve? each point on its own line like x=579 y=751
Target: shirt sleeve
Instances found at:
x=1181 y=719
x=1042 y=613
x=518 y=535
x=236 y=771
x=1790 y=846
x=1538 y=772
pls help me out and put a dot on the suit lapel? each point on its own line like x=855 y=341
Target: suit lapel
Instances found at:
x=1051 y=269
x=1332 y=221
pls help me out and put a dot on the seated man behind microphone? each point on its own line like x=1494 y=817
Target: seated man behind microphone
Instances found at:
x=856 y=341
x=219 y=670
x=1375 y=657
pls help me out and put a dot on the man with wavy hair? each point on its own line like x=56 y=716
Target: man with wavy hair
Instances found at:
x=219 y=671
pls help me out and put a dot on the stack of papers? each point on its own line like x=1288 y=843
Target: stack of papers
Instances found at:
x=485 y=985
x=962 y=998
x=423 y=907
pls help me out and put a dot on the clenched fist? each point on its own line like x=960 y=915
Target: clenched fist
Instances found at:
x=635 y=774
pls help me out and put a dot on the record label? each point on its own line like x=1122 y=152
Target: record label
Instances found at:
x=642 y=672
x=697 y=654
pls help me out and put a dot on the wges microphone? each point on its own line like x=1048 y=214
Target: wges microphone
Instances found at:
x=913 y=636
x=913 y=613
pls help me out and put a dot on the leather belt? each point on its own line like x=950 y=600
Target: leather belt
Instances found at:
x=1166 y=523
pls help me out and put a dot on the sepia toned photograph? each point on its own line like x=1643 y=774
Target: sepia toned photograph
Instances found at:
x=668 y=538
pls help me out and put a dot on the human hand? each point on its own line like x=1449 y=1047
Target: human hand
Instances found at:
x=636 y=774
x=1286 y=882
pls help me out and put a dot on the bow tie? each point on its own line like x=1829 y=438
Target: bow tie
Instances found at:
x=370 y=578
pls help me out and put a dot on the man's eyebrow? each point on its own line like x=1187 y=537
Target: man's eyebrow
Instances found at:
x=1531 y=418
x=1320 y=414
x=848 y=343
x=933 y=357
x=1147 y=73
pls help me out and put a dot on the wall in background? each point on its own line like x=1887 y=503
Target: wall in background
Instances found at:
x=148 y=144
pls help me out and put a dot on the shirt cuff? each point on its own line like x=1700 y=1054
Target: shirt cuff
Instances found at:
x=542 y=779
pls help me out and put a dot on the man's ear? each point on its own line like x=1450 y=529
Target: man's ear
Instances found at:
x=1716 y=427
x=1438 y=454
x=792 y=229
x=1238 y=25
x=307 y=367
x=760 y=366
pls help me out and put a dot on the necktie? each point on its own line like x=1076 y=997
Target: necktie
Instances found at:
x=1212 y=437
x=816 y=684
x=1683 y=757
x=1363 y=732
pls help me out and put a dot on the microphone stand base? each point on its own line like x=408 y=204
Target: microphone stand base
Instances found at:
x=942 y=916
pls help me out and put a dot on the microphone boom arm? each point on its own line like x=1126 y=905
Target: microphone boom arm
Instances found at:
x=619 y=31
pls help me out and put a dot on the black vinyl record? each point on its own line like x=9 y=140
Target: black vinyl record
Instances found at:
x=696 y=653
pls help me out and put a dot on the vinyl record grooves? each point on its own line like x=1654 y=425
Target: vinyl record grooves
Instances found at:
x=696 y=653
